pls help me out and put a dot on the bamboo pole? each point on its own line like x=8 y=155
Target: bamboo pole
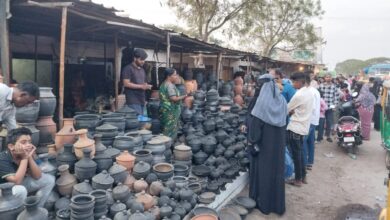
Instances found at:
x=62 y=65
x=4 y=41
x=117 y=69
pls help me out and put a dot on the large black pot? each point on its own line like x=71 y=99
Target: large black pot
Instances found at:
x=47 y=100
x=153 y=107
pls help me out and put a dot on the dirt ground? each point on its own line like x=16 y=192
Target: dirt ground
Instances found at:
x=337 y=183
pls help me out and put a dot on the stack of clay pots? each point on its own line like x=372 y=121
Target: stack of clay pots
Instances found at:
x=108 y=132
x=27 y=117
x=45 y=123
x=131 y=118
x=82 y=207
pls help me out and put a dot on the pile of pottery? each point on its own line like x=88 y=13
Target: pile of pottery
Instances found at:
x=131 y=118
x=38 y=117
x=238 y=209
x=108 y=132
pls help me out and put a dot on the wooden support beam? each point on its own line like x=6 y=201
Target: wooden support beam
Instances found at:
x=117 y=69
x=4 y=41
x=62 y=65
x=219 y=67
x=48 y=4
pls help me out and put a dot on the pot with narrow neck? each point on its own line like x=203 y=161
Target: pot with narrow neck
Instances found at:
x=67 y=135
x=67 y=157
x=66 y=181
x=10 y=205
x=83 y=143
x=86 y=167
x=32 y=211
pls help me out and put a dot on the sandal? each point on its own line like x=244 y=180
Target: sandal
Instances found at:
x=293 y=182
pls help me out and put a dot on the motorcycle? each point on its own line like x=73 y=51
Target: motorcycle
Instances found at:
x=349 y=128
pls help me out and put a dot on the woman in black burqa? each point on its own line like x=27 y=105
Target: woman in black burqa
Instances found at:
x=266 y=128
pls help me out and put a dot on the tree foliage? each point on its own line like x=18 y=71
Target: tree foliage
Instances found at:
x=271 y=25
x=203 y=17
x=353 y=66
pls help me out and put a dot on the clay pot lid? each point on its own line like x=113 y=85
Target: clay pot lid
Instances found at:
x=125 y=138
x=182 y=147
x=206 y=216
x=207 y=195
x=163 y=138
x=240 y=209
x=106 y=127
x=229 y=214
x=125 y=156
x=103 y=178
x=126 y=109
x=246 y=202
x=144 y=132
x=156 y=141
x=163 y=167
x=141 y=167
x=116 y=168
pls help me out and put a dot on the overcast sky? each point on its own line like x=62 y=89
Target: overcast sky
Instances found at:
x=352 y=28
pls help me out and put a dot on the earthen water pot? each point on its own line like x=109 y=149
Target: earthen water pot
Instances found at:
x=82 y=188
x=62 y=203
x=86 y=167
x=129 y=182
x=126 y=159
x=141 y=170
x=116 y=208
x=47 y=101
x=32 y=211
x=99 y=146
x=10 y=205
x=82 y=143
x=66 y=181
x=155 y=188
x=121 y=192
x=145 y=199
x=47 y=129
x=140 y=185
x=67 y=135
x=67 y=157
x=238 y=100
x=46 y=166
x=118 y=172
x=103 y=161
x=28 y=113
x=102 y=180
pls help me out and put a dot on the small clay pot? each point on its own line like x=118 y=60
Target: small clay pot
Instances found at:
x=126 y=159
x=140 y=185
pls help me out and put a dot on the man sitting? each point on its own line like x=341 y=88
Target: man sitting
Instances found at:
x=17 y=165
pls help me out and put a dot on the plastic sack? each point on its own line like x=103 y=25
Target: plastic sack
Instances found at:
x=288 y=165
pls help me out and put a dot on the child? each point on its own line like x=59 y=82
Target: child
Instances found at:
x=323 y=108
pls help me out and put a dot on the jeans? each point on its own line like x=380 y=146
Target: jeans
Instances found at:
x=308 y=146
x=321 y=126
x=138 y=108
x=328 y=122
x=43 y=186
x=296 y=142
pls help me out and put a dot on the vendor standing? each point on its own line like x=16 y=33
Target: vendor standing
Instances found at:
x=135 y=83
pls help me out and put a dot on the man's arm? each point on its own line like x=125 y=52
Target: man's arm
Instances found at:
x=294 y=103
x=128 y=84
x=20 y=173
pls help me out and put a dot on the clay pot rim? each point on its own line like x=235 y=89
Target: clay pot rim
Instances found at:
x=157 y=167
x=182 y=147
x=78 y=199
x=63 y=167
x=31 y=200
x=184 y=167
x=147 y=152
x=98 y=193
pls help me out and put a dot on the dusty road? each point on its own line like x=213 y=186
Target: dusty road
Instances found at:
x=335 y=182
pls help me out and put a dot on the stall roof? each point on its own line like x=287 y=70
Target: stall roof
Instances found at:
x=88 y=21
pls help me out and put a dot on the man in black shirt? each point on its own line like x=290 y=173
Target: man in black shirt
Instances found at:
x=134 y=81
x=17 y=165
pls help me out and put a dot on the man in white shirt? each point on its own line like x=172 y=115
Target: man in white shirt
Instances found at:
x=25 y=93
x=309 y=140
x=300 y=110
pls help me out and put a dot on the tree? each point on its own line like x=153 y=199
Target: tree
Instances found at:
x=352 y=66
x=206 y=16
x=279 y=25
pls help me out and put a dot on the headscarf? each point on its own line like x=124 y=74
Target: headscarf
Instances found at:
x=366 y=98
x=270 y=107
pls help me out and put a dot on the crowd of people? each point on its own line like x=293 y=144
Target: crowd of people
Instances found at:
x=285 y=114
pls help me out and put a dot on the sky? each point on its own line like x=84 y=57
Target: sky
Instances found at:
x=352 y=29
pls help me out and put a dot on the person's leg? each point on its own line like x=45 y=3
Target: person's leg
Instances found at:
x=320 y=134
x=20 y=192
x=305 y=151
x=311 y=145
x=137 y=108
x=329 y=123
x=296 y=147
x=43 y=186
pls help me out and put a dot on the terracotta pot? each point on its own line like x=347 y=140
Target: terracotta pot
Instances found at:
x=129 y=182
x=32 y=211
x=155 y=188
x=126 y=159
x=82 y=143
x=10 y=205
x=205 y=217
x=47 y=100
x=145 y=199
x=66 y=181
x=67 y=135
x=28 y=114
x=238 y=90
x=238 y=100
x=140 y=185
x=47 y=129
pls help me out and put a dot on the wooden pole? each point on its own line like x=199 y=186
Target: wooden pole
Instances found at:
x=181 y=60
x=219 y=58
x=4 y=41
x=117 y=69
x=62 y=65
x=168 y=50
x=35 y=58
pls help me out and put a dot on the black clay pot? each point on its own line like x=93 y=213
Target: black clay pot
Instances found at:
x=156 y=126
x=87 y=121
x=47 y=101
x=201 y=171
x=143 y=155
x=28 y=113
x=118 y=122
x=153 y=107
x=124 y=143
x=67 y=157
x=86 y=167
x=199 y=158
x=32 y=211
x=118 y=172
x=102 y=180
x=141 y=170
x=10 y=206
x=103 y=161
